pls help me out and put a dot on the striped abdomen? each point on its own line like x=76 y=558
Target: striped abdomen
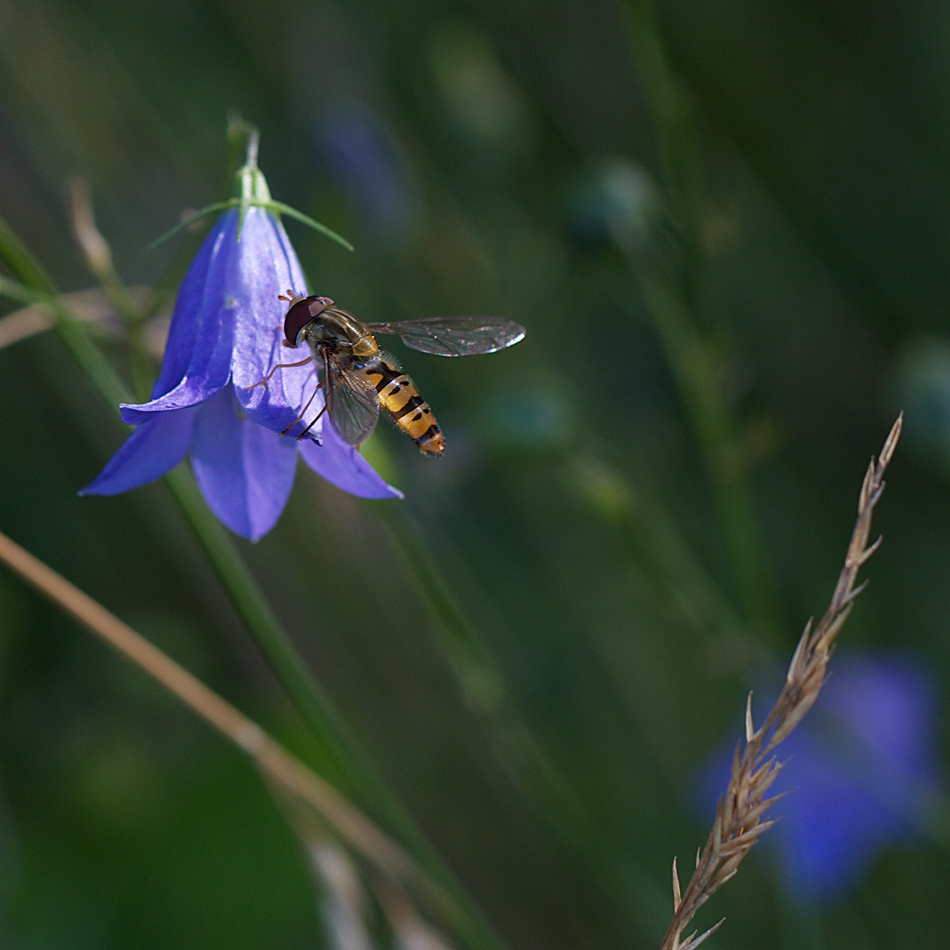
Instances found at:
x=400 y=398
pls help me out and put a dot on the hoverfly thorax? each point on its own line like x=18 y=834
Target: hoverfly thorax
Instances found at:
x=319 y=323
x=340 y=328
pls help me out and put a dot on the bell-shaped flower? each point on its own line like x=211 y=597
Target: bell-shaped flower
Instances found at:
x=859 y=772
x=225 y=337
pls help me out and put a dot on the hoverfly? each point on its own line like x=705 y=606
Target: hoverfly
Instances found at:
x=359 y=378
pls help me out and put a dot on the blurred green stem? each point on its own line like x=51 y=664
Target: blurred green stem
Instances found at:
x=22 y=264
x=482 y=684
x=678 y=306
x=655 y=544
x=694 y=370
x=348 y=764
x=679 y=155
x=486 y=694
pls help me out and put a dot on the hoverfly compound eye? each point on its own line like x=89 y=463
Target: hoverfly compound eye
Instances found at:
x=303 y=310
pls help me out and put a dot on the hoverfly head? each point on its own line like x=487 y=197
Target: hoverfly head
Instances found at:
x=302 y=311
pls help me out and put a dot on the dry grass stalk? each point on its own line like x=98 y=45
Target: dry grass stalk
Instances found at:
x=284 y=770
x=740 y=814
x=323 y=818
x=91 y=306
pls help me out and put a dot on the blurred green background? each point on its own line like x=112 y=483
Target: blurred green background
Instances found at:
x=635 y=522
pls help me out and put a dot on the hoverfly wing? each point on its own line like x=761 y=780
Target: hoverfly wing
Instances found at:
x=454 y=336
x=352 y=401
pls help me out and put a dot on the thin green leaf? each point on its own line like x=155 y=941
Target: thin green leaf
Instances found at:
x=280 y=208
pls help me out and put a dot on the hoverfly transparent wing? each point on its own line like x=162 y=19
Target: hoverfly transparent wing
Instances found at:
x=352 y=401
x=454 y=336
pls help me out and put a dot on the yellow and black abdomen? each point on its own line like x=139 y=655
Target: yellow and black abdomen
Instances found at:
x=400 y=398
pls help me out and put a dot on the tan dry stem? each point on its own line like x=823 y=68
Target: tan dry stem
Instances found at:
x=94 y=246
x=278 y=765
x=740 y=814
x=92 y=305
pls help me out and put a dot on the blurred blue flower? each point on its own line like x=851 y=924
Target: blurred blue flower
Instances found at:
x=363 y=155
x=858 y=772
x=224 y=337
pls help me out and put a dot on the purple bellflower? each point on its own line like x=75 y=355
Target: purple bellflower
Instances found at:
x=225 y=336
x=857 y=774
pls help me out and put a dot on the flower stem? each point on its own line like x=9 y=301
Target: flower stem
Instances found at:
x=23 y=265
x=346 y=761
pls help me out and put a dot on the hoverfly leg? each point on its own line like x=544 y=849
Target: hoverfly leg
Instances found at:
x=317 y=416
x=303 y=411
x=278 y=366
